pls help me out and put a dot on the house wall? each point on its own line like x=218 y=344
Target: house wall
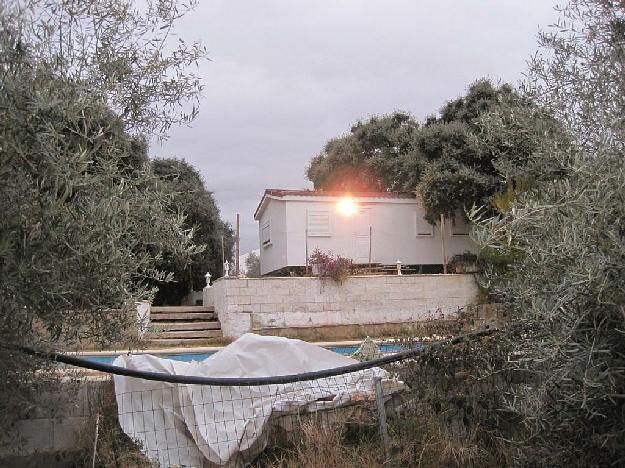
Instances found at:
x=274 y=255
x=393 y=234
x=262 y=304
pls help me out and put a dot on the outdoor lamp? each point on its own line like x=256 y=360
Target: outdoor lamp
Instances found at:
x=347 y=206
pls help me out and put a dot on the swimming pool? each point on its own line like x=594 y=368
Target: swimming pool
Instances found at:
x=187 y=357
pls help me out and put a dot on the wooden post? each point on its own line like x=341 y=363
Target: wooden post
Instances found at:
x=306 y=248
x=238 y=246
x=306 y=243
x=379 y=399
x=223 y=255
x=443 y=244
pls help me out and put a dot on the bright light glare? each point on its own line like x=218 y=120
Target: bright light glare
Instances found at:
x=347 y=206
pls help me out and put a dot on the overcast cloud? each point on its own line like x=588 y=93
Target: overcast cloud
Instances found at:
x=286 y=76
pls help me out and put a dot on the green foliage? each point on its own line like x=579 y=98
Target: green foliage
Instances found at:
x=564 y=235
x=123 y=52
x=191 y=199
x=447 y=185
x=364 y=160
x=453 y=161
x=504 y=200
x=252 y=263
x=84 y=223
x=466 y=262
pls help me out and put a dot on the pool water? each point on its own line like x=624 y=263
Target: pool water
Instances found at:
x=345 y=350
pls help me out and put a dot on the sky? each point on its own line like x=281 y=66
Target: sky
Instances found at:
x=286 y=76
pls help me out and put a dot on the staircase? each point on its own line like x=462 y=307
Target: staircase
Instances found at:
x=183 y=325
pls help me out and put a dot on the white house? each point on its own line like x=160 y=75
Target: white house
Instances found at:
x=377 y=227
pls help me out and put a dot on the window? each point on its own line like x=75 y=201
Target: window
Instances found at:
x=318 y=223
x=423 y=228
x=460 y=225
x=265 y=233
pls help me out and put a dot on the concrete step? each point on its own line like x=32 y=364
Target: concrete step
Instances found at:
x=186 y=341
x=183 y=316
x=175 y=326
x=183 y=325
x=199 y=334
x=180 y=309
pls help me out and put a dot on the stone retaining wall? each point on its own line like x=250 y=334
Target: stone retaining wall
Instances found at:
x=56 y=425
x=262 y=304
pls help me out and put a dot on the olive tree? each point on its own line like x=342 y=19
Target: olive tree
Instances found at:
x=127 y=53
x=566 y=284
x=84 y=222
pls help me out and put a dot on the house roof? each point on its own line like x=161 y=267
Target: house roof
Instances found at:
x=282 y=193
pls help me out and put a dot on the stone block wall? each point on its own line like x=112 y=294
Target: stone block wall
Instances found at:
x=208 y=296
x=260 y=304
x=58 y=423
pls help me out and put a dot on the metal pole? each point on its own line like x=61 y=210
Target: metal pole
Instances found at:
x=238 y=241
x=369 y=249
x=95 y=441
x=443 y=244
x=379 y=399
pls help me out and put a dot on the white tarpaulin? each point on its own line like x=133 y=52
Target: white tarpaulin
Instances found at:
x=199 y=425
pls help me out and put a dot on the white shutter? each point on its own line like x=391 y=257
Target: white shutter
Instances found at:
x=265 y=233
x=423 y=228
x=318 y=223
x=460 y=225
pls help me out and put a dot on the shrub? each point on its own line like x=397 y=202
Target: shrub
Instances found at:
x=331 y=266
x=466 y=262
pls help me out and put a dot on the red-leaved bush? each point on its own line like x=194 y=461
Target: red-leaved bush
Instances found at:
x=330 y=266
